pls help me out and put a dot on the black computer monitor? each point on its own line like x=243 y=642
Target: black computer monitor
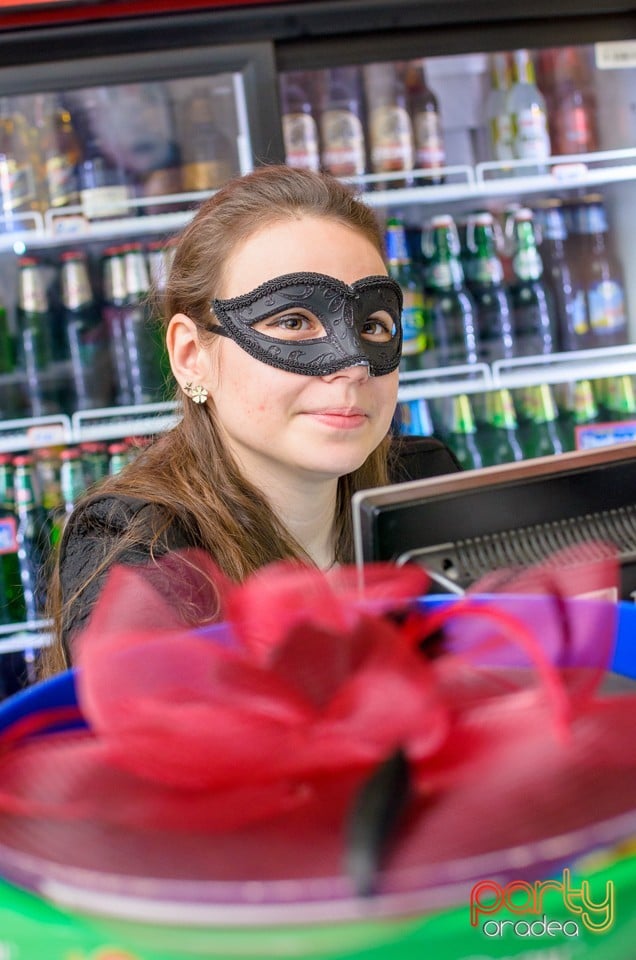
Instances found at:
x=463 y=526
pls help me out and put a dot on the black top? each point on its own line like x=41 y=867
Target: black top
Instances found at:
x=94 y=526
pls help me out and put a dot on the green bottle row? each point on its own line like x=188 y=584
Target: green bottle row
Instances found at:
x=502 y=426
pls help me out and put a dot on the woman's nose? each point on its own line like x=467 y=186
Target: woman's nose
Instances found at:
x=357 y=372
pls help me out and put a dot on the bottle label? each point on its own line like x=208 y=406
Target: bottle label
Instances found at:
x=441 y=276
x=429 y=149
x=60 y=180
x=607 y=307
x=527 y=264
x=413 y=324
x=578 y=313
x=501 y=136
x=17 y=185
x=343 y=143
x=391 y=140
x=300 y=136
x=207 y=175
x=487 y=270
x=101 y=202
x=8 y=535
x=76 y=289
x=530 y=133
x=32 y=291
x=415 y=420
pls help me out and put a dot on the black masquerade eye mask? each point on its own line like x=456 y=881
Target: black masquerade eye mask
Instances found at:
x=321 y=325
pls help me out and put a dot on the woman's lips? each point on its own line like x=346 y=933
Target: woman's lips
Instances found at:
x=342 y=418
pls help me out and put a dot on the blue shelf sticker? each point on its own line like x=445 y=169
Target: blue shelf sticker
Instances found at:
x=593 y=435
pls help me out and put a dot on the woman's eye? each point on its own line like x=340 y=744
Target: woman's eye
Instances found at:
x=288 y=325
x=293 y=322
x=378 y=329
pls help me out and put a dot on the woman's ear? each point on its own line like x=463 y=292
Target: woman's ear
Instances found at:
x=189 y=361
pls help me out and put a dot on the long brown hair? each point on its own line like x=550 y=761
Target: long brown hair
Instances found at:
x=188 y=472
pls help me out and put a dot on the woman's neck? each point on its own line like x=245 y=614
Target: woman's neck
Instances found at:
x=306 y=507
x=309 y=515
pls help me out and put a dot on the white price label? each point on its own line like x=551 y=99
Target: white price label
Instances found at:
x=46 y=434
x=567 y=172
x=615 y=55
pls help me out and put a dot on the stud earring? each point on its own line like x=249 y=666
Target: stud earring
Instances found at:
x=197 y=393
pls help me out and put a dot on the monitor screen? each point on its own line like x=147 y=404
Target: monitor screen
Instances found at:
x=463 y=526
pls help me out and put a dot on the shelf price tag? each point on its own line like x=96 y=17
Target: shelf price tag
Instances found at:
x=568 y=172
x=615 y=55
x=594 y=435
x=46 y=434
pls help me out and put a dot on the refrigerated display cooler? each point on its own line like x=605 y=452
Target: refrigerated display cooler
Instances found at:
x=117 y=119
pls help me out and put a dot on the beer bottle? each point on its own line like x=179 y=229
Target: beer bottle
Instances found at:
x=86 y=333
x=119 y=456
x=620 y=400
x=7 y=342
x=343 y=148
x=543 y=438
x=532 y=305
x=577 y=408
x=114 y=297
x=300 y=129
x=207 y=153
x=600 y=275
x=497 y=113
x=18 y=180
x=71 y=478
x=414 y=418
x=391 y=141
x=33 y=537
x=59 y=150
x=35 y=346
x=12 y=608
x=140 y=334
x=484 y=278
x=94 y=455
x=430 y=151
x=414 y=319
x=499 y=440
x=104 y=189
x=573 y=113
x=570 y=307
x=460 y=432
x=451 y=308
x=527 y=109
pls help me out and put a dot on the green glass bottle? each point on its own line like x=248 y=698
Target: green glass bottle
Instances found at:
x=119 y=456
x=543 y=438
x=461 y=432
x=72 y=480
x=12 y=608
x=33 y=536
x=35 y=346
x=485 y=280
x=620 y=400
x=532 y=303
x=455 y=338
x=577 y=408
x=86 y=334
x=414 y=320
x=499 y=439
x=95 y=459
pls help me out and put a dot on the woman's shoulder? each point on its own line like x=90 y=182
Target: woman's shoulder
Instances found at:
x=110 y=515
x=416 y=458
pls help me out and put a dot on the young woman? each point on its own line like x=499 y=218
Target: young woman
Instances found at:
x=283 y=331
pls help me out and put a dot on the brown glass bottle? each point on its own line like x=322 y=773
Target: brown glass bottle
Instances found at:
x=391 y=141
x=343 y=148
